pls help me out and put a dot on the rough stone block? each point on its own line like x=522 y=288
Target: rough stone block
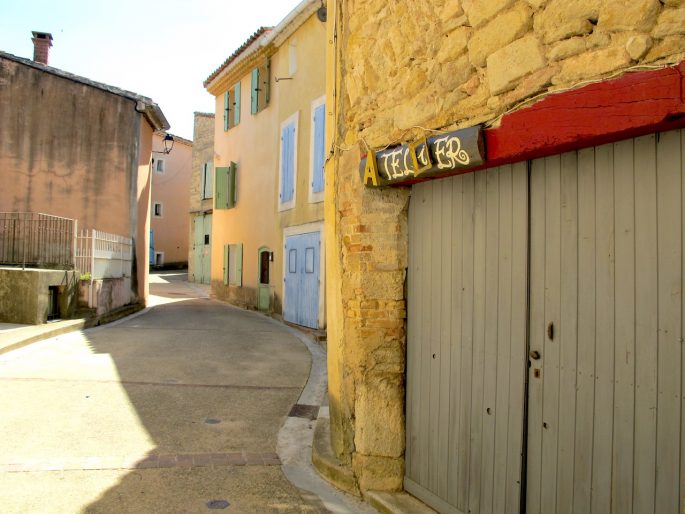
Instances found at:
x=669 y=46
x=380 y=404
x=499 y=32
x=593 y=64
x=562 y=19
x=454 y=44
x=636 y=15
x=670 y=23
x=513 y=62
x=378 y=473
x=454 y=74
x=638 y=46
x=567 y=48
x=481 y=11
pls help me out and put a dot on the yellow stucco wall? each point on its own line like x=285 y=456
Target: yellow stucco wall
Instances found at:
x=170 y=188
x=254 y=144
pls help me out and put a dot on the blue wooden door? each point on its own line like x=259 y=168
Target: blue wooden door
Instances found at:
x=302 y=274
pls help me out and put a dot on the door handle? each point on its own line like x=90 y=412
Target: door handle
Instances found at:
x=534 y=354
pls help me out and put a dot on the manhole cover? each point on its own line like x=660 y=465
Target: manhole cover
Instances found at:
x=212 y=421
x=217 y=504
x=304 y=411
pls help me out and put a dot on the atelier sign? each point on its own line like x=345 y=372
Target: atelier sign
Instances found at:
x=426 y=158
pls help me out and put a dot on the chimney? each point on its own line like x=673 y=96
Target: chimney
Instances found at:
x=42 y=41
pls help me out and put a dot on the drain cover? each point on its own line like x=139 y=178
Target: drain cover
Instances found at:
x=212 y=421
x=217 y=504
x=300 y=410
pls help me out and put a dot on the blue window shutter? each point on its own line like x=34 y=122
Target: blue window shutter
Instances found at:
x=221 y=190
x=267 y=82
x=236 y=103
x=254 y=96
x=227 y=99
x=287 y=158
x=319 y=144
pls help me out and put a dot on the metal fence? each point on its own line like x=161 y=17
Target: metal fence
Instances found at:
x=103 y=255
x=37 y=240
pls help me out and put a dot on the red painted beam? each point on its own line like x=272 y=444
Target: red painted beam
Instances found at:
x=635 y=104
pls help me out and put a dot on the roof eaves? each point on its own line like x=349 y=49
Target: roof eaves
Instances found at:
x=241 y=51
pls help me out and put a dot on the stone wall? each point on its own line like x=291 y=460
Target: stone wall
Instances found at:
x=439 y=65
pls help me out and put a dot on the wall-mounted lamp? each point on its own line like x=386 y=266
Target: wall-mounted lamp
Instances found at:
x=168 y=144
x=278 y=79
x=322 y=13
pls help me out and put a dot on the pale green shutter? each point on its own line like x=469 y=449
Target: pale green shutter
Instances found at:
x=227 y=99
x=227 y=250
x=254 y=96
x=221 y=192
x=236 y=102
x=238 y=279
x=267 y=83
x=232 y=194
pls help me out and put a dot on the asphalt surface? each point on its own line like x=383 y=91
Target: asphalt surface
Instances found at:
x=177 y=409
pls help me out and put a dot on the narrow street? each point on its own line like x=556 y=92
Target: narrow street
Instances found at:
x=177 y=409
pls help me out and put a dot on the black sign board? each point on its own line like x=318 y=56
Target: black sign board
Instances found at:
x=426 y=158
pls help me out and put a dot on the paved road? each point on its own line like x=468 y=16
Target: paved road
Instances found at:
x=164 y=412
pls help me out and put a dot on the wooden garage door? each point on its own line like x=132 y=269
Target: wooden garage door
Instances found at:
x=581 y=356
x=606 y=316
x=467 y=357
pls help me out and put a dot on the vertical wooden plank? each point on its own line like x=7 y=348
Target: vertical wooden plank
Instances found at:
x=447 y=283
x=479 y=309
x=436 y=282
x=504 y=338
x=585 y=397
x=489 y=377
x=624 y=388
x=551 y=358
x=456 y=452
x=467 y=339
x=536 y=335
x=669 y=233
x=568 y=330
x=682 y=353
x=426 y=325
x=519 y=320
x=604 y=364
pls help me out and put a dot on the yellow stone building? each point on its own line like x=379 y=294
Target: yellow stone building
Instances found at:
x=267 y=222
x=505 y=318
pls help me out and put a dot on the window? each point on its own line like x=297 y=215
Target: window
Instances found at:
x=157 y=210
x=207 y=182
x=260 y=87
x=232 y=107
x=318 y=150
x=292 y=261
x=159 y=258
x=233 y=264
x=159 y=165
x=288 y=163
x=226 y=189
x=309 y=260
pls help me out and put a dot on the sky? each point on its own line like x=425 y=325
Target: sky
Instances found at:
x=162 y=50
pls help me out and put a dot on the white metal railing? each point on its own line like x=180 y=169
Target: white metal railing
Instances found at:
x=103 y=255
x=37 y=240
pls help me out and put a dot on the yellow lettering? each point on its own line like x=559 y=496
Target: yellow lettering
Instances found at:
x=371 y=170
x=418 y=169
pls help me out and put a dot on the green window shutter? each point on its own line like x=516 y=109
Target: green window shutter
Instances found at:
x=236 y=103
x=227 y=99
x=267 y=83
x=238 y=278
x=227 y=250
x=221 y=195
x=254 y=97
x=232 y=195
